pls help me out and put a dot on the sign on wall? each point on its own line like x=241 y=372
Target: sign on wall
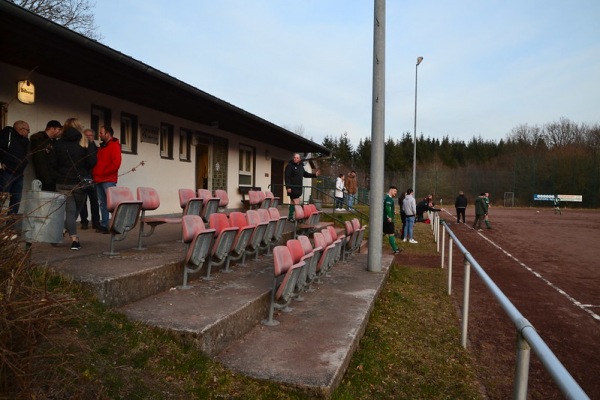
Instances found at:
x=149 y=134
x=25 y=92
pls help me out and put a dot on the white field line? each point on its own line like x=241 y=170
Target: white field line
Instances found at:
x=585 y=307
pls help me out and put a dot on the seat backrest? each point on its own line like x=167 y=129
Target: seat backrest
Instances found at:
x=253 y=217
x=116 y=195
x=356 y=223
x=327 y=236
x=296 y=250
x=282 y=260
x=223 y=197
x=320 y=240
x=305 y=243
x=269 y=194
x=218 y=222
x=298 y=212
x=264 y=215
x=306 y=210
x=191 y=225
x=332 y=232
x=149 y=198
x=185 y=195
x=265 y=202
x=274 y=213
x=204 y=194
x=237 y=218
x=349 y=228
x=253 y=198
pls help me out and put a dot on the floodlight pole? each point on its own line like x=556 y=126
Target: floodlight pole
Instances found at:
x=414 y=181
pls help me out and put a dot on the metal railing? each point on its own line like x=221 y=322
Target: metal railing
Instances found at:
x=325 y=198
x=527 y=337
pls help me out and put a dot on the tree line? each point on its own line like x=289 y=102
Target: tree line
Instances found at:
x=561 y=157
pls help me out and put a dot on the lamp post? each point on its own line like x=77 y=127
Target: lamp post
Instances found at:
x=414 y=182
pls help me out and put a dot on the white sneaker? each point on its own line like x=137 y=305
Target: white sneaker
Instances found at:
x=404 y=240
x=413 y=241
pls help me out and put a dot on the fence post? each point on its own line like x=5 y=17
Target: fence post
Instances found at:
x=450 y=241
x=466 y=294
x=522 y=361
x=443 y=244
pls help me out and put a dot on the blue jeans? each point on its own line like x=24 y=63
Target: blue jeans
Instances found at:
x=74 y=202
x=102 y=189
x=350 y=200
x=12 y=184
x=409 y=227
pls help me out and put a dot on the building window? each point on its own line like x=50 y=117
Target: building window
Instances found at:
x=185 y=138
x=100 y=116
x=246 y=172
x=129 y=133
x=166 y=141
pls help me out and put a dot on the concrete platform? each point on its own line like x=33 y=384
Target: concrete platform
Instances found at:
x=309 y=349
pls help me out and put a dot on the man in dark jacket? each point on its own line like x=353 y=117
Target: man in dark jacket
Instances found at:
x=294 y=174
x=461 y=206
x=425 y=205
x=481 y=209
x=42 y=146
x=14 y=146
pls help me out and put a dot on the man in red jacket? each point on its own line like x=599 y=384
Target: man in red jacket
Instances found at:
x=106 y=171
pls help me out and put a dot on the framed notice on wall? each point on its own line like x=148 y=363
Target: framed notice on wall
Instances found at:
x=149 y=134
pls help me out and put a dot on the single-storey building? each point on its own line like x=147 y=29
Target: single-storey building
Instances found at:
x=184 y=137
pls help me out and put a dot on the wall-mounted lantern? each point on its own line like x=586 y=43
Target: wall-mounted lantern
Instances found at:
x=26 y=92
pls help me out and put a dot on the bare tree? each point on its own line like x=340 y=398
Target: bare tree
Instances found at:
x=76 y=15
x=563 y=133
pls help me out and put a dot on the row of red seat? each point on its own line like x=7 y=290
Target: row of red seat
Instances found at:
x=262 y=199
x=298 y=264
x=233 y=237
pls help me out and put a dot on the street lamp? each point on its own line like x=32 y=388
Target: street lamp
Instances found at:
x=414 y=182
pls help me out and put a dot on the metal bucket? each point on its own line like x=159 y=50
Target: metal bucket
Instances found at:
x=43 y=215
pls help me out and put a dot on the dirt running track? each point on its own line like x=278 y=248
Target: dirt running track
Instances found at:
x=565 y=251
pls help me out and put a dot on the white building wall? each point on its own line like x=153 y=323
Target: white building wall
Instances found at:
x=59 y=100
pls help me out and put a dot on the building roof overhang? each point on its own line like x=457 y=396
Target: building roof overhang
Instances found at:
x=37 y=44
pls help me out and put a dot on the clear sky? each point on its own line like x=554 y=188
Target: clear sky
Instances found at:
x=489 y=65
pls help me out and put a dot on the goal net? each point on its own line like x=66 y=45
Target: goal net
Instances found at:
x=509 y=199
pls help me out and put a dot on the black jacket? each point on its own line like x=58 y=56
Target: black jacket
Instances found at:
x=71 y=161
x=461 y=201
x=294 y=173
x=42 y=151
x=13 y=150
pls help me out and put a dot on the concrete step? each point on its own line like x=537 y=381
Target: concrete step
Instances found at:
x=309 y=349
x=212 y=313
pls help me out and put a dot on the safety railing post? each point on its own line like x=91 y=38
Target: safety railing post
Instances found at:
x=466 y=295
x=522 y=362
x=443 y=244
x=450 y=241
